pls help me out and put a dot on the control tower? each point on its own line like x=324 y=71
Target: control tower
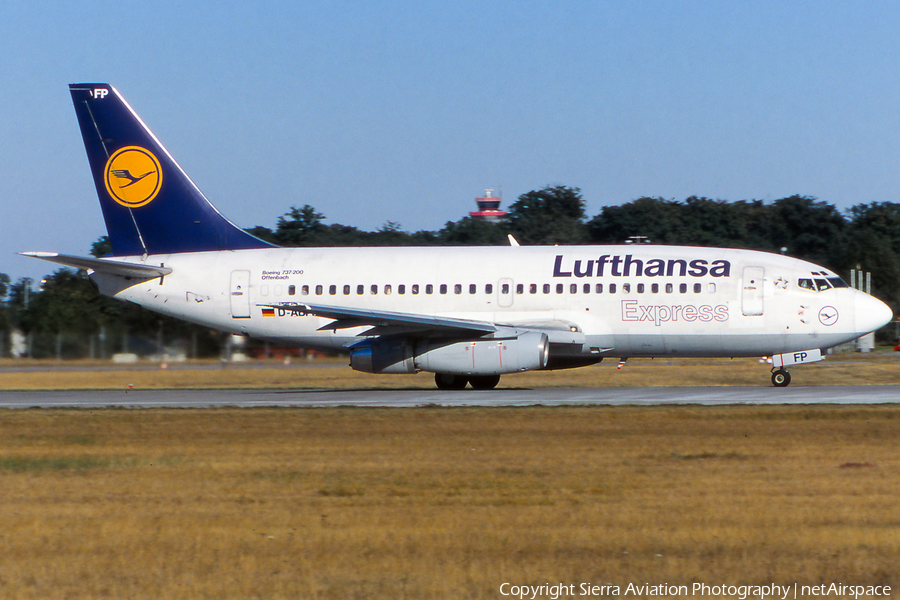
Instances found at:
x=488 y=207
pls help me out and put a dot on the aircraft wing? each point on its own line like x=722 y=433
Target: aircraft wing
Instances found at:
x=386 y=322
x=102 y=265
x=392 y=323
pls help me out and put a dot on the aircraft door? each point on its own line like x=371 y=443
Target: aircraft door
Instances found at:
x=240 y=294
x=505 y=292
x=752 y=291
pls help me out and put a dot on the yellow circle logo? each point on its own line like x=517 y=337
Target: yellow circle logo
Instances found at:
x=133 y=176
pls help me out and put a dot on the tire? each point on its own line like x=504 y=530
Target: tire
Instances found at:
x=484 y=382
x=445 y=381
x=781 y=378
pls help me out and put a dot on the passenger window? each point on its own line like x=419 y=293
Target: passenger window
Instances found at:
x=360 y=290
x=401 y=289
x=698 y=287
x=346 y=290
x=559 y=288
x=429 y=288
x=626 y=288
x=443 y=288
x=598 y=288
x=654 y=288
x=682 y=288
x=374 y=290
x=546 y=288
x=318 y=290
x=304 y=290
x=332 y=290
x=587 y=288
x=457 y=288
x=612 y=288
x=504 y=289
x=387 y=290
x=415 y=289
x=489 y=288
x=711 y=288
x=473 y=288
x=532 y=289
x=292 y=290
x=669 y=288
x=573 y=288
x=520 y=289
x=640 y=288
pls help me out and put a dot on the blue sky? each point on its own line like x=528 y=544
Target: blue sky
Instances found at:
x=405 y=111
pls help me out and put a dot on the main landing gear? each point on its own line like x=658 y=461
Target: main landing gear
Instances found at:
x=445 y=381
x=780 y=378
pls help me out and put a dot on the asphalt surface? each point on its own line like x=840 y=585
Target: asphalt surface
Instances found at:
x=874 y=394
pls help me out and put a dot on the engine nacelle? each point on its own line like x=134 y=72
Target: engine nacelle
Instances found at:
x=528 y=351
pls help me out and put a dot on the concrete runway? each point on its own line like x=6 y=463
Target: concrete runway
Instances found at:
x=874 y=394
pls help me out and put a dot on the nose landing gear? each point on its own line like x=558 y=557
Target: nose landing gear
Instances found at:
x=780 y=378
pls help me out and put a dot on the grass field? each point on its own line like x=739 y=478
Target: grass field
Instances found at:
x=446 y=503
x=442 y=503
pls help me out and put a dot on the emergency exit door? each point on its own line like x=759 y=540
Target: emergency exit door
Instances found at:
x=240 y=294
x=752 y=291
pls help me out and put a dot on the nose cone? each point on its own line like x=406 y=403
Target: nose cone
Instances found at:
x=871 y=313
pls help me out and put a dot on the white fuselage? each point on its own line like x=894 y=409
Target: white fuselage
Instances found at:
x=626 y=300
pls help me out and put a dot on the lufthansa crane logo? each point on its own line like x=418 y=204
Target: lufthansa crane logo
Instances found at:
x=133 y=176
x=828 y=316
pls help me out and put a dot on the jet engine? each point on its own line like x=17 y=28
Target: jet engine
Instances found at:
x=483 y=356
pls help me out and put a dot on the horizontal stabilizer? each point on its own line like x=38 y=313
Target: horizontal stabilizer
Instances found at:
x=102 y=265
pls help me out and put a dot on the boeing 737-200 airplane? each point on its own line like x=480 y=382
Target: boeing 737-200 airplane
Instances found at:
x=466 y=314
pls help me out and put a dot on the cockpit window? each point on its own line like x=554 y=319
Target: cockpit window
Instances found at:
x=821 y=284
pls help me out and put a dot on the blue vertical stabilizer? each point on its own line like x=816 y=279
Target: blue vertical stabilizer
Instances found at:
x=149 y=203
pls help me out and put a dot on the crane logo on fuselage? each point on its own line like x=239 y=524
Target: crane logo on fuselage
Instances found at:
x=828 y=316
x=133 y=176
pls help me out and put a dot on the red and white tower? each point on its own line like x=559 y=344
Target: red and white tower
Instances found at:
x=488 y=207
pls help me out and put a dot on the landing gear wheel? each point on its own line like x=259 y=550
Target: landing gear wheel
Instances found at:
x=445 y=381
x=781 y=378
x=484 y=382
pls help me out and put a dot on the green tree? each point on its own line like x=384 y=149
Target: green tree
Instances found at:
x=299 y=227
x=552 y=215
x=101 y=247
x=873 y=245
x=263 y=233
x=473 y=232
x=5 y=325
x=656 y=219
x=810 y=229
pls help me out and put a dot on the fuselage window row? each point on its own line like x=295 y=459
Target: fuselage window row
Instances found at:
x=506 y=288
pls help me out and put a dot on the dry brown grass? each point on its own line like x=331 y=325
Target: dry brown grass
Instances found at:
x=442 y=503
x=847 y=369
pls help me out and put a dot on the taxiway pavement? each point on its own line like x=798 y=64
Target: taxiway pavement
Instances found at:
x=874 y=394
